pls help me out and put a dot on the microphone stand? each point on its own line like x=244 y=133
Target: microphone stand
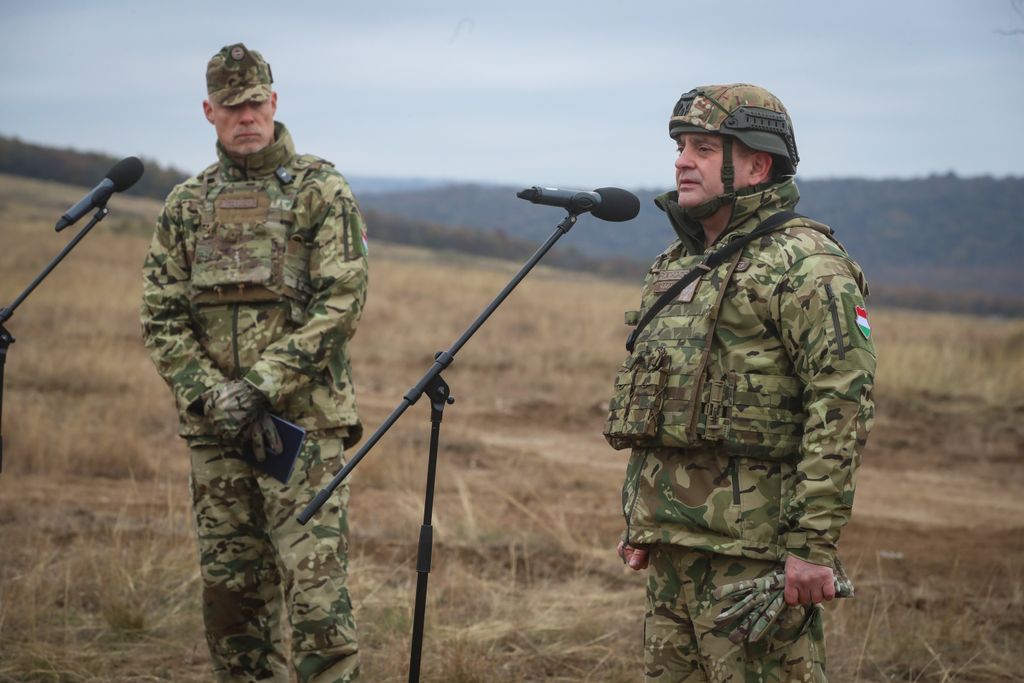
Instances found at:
x=439 y=394
x=6 y=339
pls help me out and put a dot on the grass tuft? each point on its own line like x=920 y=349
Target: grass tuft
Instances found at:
x=98 y=567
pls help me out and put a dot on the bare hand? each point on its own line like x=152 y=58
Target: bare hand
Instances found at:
x=808 y=583
x=636 y=558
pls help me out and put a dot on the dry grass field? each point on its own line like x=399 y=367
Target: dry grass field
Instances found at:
x=98 y=575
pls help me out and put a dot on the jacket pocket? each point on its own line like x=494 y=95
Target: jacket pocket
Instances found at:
x=766 y=417
x=758 y=491
x=636 y=405
x=837 y=327
x=295 y=276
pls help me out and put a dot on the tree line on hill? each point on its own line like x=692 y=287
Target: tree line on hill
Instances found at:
x=939 y=243
x=87 y=168
x=80 y=168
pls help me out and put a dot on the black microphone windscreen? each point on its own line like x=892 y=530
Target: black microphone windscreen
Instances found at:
x=125 y=173
x=616 y=205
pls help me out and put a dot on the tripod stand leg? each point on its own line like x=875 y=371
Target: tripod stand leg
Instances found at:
x=5 y=313
x=439 y=394
x=5 y=342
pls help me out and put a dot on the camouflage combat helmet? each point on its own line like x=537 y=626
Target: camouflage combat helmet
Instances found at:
x=237 y=74
x=749 y=113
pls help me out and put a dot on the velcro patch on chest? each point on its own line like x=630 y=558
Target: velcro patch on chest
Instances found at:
x=238 y=203
x=666 y=278
x=247 y=207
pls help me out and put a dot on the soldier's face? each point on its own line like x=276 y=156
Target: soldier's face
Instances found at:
x=699 y=167
x=243 y=128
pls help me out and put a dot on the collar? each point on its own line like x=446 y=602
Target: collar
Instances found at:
x=262 y=163
x=749 y=204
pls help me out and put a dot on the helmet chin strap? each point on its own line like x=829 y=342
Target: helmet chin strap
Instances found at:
x=728 y=170
x=731 y=194
x=728 y=197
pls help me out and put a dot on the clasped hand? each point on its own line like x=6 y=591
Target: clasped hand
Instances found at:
x=237 y=410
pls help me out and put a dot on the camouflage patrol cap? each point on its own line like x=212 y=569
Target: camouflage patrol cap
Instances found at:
x=237 y=74
x=749 y=113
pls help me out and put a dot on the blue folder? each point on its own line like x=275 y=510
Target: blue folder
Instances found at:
x=279 y=466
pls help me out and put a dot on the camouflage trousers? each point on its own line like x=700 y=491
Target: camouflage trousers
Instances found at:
x=682 y=643
x=256 y=559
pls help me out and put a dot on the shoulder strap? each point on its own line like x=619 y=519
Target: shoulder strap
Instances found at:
x=713 y=260
x=302 y=165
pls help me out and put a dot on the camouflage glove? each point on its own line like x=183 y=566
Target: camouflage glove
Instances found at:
x=760 y=602
x=262 y=434
x=232 y=406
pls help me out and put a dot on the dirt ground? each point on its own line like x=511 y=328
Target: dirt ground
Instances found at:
x=98 y=573
x=935 y=547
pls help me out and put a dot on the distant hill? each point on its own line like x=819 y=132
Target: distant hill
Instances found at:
x=940 y=243
x=76 y=167
x=953 y=237
x=942 y=232
x=365 y=186
x=80 y=168
x=940 y=219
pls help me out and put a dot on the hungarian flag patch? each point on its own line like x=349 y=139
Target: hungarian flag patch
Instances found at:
x=862 y=322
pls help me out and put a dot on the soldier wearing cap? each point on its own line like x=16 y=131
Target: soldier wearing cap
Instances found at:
x=253 y=285
x=745 y=403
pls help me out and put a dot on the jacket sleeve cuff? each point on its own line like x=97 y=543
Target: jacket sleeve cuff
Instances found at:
x=811 y=548
x=189 y=397
x=266 y=382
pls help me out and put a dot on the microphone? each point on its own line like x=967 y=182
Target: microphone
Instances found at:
x=123 y=175
x=607 y=203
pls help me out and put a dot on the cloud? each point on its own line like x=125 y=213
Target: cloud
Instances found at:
x=523 y=91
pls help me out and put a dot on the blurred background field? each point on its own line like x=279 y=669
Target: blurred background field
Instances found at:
x=98 y=569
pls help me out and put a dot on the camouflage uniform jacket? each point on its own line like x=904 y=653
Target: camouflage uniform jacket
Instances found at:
x=747 y=400
x=258 y=271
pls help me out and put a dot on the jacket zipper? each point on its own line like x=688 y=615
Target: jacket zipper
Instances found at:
x=735 y=462
x=835 y=320
x=636 y=496
x=234 y=340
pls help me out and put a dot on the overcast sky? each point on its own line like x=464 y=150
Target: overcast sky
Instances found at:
x=525 y=92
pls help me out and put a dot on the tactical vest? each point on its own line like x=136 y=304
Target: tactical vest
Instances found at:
x=675 y=391
x=247 y=248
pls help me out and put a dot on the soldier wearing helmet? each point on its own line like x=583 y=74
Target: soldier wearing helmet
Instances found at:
x=254 y=282
x=745 y=404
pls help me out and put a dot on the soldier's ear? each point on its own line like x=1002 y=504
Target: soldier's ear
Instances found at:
x=761 y=167
x=208 y=110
